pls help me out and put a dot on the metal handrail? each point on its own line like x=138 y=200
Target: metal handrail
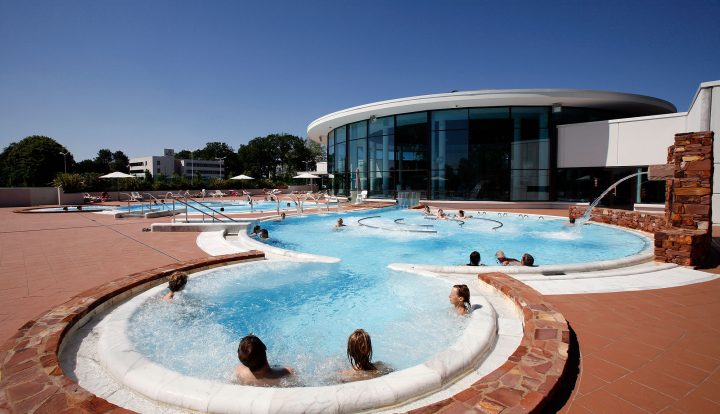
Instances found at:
x=155 y=199
x=205 y=213
x=360 y=222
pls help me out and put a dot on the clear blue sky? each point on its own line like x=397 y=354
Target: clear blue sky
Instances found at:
x=140 y=76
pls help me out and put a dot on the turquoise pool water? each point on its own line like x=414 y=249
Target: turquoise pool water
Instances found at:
x=406 y=236
x=305 y=312
x=229 y=206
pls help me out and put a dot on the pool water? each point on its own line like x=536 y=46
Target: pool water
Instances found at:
x=229 y=206
x=406 y=236
x=304 y=313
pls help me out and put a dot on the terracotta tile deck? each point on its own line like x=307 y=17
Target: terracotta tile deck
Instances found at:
x=649 y=351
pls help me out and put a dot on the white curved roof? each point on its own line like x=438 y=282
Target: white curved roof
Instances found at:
x=626 y=102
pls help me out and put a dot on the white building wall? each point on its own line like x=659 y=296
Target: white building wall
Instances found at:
x=619 y=142
x=139 y=170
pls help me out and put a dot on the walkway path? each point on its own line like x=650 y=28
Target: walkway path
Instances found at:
x=645 y=351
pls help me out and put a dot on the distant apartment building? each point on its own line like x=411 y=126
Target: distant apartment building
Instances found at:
x=155 y=164
x=168 y=165
x=204 y=168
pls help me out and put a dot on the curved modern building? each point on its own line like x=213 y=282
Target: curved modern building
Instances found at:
x=500 y=145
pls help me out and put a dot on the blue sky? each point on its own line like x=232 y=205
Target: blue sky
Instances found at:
x=140 y=76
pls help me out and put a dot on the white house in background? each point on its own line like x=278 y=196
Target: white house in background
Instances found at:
x=514 y=145
x=155 y=164
x=168 y=165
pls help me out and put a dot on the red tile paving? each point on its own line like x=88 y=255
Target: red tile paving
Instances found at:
x=649 y=351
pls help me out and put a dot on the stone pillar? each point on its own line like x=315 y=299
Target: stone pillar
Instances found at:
x=687 y=201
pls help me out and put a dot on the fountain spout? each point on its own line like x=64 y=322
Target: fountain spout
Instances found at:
x=585 y=217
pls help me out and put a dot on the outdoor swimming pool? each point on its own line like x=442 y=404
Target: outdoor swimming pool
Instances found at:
x=229 y=206
x=407 y=236
x=303 y=312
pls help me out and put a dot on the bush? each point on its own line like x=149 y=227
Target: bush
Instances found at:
x=70 y=183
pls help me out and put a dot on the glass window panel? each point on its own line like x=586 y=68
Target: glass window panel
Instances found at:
x=331 y=157
x=448 y=149
x=340 y=135
x=382 y=126
x=357 y=155
x=530 y=154
x=530 y=185
x=411 y=119
x=450 y=119
x=381 y=157
x=339 y=184
x=340 y=156
x=358 y=130
x=529 y=123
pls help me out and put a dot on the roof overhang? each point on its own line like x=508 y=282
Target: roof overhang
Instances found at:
x=614 y=101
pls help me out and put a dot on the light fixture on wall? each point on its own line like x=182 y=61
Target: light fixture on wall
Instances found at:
x=556 y=108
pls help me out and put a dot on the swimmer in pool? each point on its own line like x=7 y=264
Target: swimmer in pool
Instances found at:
x=461 y=215
x=255 y=369
x=460 y=299
x=264 y=235
x=256 y=231
x=359 y=353
x=475 y=259
x=441 y=214
x=504 y=260
x=340 y=223
x=176 y=283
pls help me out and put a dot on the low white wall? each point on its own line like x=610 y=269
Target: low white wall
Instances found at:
x=36 y=196
x=619 y=142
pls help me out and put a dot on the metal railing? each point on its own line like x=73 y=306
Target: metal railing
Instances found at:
x=186 y=203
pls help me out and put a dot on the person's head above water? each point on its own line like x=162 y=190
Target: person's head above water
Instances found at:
x=282 y=216
x=461 y=213
x=177 y=281
x=460 y=297
x=251 y=353
x=256 y=229
x=527 y=260
x=359 y=351
x=264 y=234
x=340 y=222
x=475 y=258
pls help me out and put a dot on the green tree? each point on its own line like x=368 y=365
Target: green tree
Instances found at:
x=33 y=161
x=103 y=161
x=120 y=162
x=276 y=156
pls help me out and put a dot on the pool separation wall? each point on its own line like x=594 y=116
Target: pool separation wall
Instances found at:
x=32 y=381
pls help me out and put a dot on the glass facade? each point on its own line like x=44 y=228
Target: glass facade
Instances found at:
x=491 y=153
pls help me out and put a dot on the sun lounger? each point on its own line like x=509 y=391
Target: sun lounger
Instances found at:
x=135 y=196
x=91 y=199
x=217 y=193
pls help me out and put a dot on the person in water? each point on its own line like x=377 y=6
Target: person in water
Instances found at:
x=460 y=299
x=461 y=215
x=359 y=353
x=427 y=210
x=504 y=260
x=527 y=260
x=176 y=283
x=340 y=223
x=441 y=214
x=255 y=369
x=475 y=259
x=264 y=235
x=256 y=231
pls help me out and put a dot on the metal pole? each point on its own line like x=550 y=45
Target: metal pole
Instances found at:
x=64 y=154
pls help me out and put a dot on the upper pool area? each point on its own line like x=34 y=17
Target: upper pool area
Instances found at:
x=378 y=238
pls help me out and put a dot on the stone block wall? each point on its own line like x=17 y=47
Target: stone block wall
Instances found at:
x=631 y=219
x=688 y=205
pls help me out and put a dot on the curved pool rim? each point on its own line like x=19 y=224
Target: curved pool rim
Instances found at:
x=119 y=356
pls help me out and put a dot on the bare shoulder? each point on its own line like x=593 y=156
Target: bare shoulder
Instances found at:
x=244 y=375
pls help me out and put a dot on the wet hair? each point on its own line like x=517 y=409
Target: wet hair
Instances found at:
x=177 y=281
x=256 y=229
x=475 y=258
x=527 y=259
x=251 y=353
x=572 y=220
x=464 y=292
x=340 y=221
x=264 y=234
x=462 y=212
x=359 y=351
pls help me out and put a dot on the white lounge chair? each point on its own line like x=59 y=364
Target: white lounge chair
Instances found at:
x=135 y=196
x=218 y=193
x=362 y=196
